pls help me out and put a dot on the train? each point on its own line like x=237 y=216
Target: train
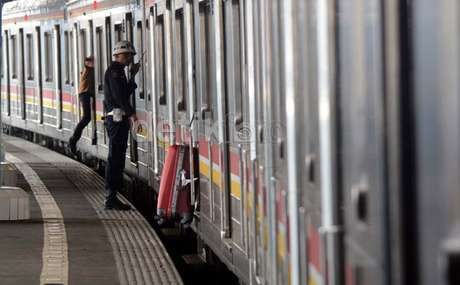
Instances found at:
x=323 y=134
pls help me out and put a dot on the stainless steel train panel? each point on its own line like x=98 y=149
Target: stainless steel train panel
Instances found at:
x=238 y=141
x=435 y=98
x=360 y=84
x=306 y=266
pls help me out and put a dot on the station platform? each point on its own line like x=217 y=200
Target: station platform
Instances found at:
x=70 y=238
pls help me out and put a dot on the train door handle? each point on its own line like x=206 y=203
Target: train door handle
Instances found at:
x=281 y=148
x=261 y=134
x=181 y=105
x=310 y=167
x=360 y=202
x=204 y=111
x=238 y=119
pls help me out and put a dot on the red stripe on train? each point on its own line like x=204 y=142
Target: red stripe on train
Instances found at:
x=314 y=247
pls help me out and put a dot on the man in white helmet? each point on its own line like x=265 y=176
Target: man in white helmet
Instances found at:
x=117 y=92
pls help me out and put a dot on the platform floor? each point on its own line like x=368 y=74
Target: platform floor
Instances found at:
x=70 y=238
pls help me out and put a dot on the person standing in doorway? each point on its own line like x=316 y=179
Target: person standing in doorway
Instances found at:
x=117 y=92
x=85 y=94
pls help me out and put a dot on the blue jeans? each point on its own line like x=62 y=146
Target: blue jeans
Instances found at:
x=118 y=142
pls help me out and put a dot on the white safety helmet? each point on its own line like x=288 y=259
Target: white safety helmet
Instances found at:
x=123 y=47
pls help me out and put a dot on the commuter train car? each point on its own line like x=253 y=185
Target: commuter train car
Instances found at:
x=322 y=133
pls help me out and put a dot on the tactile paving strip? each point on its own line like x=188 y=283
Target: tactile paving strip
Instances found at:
x=140 y=256
x=55 y=269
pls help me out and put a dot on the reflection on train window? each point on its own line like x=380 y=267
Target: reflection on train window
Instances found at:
x=67 y=57
x=180 y=58
x=118 y=32
x=140 y=50
x=14 y=57
x=100 y=58
x=160 y=33
x=48 y=57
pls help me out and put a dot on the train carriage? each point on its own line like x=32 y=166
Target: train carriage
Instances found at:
x=317 y=130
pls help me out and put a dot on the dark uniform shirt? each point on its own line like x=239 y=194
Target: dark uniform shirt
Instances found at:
x=117 y=89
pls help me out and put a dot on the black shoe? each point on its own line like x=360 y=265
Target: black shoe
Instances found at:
x=118 y=206
x=73 y=145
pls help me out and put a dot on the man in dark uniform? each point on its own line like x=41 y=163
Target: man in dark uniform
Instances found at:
x=117 y=91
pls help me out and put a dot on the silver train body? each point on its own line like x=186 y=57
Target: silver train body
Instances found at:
x=326 y=131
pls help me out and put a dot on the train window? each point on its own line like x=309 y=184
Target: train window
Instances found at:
x=118 y=32
x=48 y=57
x=67 y=57
x=129 y=27
x=160 y=33
x=14 y=57
x=71 y=56
x=180 y=60
x=100 y=58
x=108 y=41
x=30 y=57
x=140 y=50
x=205 y=33
x=83 y=53
x=238 y=53
x=2 y=64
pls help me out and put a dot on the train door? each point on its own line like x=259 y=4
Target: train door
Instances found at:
x=278 y=127
x=102 y=59
x=32 y=95
x=361 y=151
x=152 y=94
x=58 y=71
x=84 y=50
x=239 y=132
x=258 y=237
x=304 y=203
x=49 y=77
x=129 y=33
x=15 y=82
x=431 y=145
x=69 y=98
x=261 y=152
x=163 y=76
x=139 y=96
x=213 y=163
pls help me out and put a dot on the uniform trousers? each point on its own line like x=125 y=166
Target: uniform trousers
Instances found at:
x=118 y=142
